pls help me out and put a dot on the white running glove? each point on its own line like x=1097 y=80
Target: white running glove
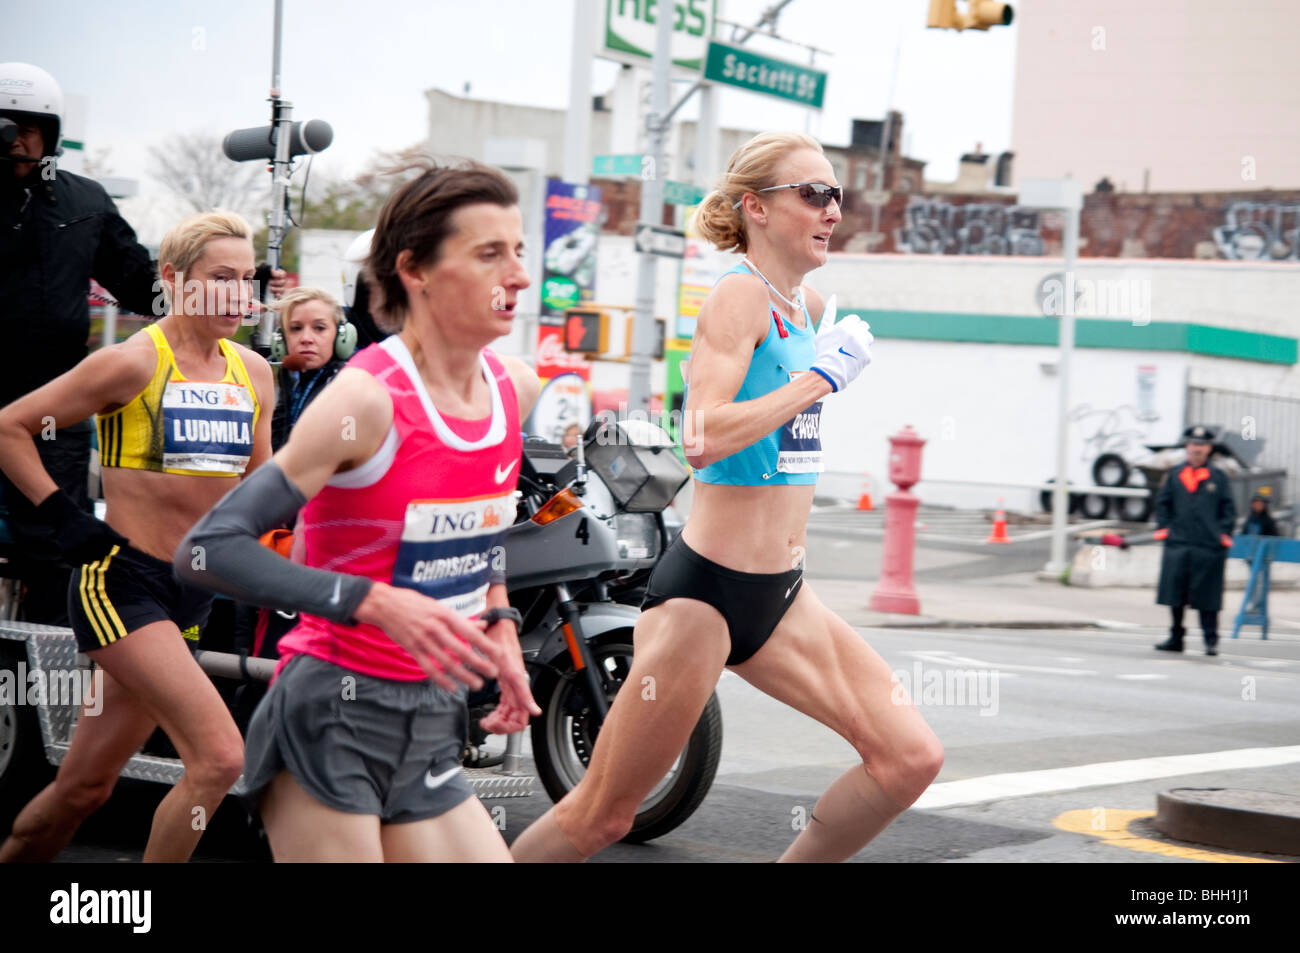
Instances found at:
x=843 y=349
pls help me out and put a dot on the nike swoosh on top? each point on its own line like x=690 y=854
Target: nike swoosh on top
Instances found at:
x=502 y=474
x=436 y=782
x=846 y=353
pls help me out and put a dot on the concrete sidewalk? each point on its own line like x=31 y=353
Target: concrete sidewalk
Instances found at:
x=1022 y=600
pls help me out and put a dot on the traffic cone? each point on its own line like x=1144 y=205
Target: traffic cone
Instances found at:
x=999 y=534
x=864 y=500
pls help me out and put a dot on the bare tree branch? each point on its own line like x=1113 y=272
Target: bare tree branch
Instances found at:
x=194 y=169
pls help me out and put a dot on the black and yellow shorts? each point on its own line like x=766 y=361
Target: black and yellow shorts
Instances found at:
x=126 y=590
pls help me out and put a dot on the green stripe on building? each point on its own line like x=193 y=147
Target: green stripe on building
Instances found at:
x=1088 y=332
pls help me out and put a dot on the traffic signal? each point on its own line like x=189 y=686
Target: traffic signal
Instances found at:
x=661 y=331
x=586 y=331
x=978 y=15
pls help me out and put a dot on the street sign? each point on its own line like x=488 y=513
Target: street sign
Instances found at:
x=660 y=240
x=746 y=69
x=617 y=165
x=680 y=193
x=626 y=32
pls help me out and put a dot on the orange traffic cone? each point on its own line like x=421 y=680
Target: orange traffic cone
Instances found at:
x=999 y=534
x=864 y=500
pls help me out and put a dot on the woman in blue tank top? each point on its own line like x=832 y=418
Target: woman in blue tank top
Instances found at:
x=730 y=592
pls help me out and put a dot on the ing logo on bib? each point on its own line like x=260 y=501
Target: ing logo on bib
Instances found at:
x=447 y=548
x=207 y=426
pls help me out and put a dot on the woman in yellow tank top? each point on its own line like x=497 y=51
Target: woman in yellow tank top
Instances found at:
x=181 y=420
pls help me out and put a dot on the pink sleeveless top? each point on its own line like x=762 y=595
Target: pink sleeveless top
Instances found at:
x=428 y=511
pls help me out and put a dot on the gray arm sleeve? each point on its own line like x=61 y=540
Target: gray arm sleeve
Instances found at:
x=222 y=553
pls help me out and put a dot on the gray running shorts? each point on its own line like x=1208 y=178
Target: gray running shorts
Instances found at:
x=359 y=744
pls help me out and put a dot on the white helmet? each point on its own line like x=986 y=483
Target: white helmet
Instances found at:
x=30 y=90
x=353 y=259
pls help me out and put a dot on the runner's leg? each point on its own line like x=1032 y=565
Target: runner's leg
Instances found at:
x=465 y=834
x=303 y=830
x=154 y=664
x=681 y=648
x=816 y=663
x=101 y=745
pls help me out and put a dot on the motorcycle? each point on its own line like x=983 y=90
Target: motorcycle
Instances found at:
x=590 y=528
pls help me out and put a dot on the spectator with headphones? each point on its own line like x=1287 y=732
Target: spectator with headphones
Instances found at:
x=312 y=343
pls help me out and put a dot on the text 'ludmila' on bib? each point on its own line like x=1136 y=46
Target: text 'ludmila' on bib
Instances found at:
x=800 y=450
x=207 y=427
x=448 y=548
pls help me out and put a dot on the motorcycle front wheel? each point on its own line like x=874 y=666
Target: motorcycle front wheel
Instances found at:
x=564 y=736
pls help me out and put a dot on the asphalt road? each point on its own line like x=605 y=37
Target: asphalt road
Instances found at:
x=1023 y=703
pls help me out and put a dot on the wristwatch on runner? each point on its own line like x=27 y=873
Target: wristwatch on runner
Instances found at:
x=493 y=616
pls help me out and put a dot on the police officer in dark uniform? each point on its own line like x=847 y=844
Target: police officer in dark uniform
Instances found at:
x=57 y=231
x=1195 y=517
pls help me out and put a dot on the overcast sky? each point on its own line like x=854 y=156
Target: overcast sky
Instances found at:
x=150 y=70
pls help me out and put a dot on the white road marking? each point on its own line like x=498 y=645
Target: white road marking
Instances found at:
x=947 y=658
x=995 y=787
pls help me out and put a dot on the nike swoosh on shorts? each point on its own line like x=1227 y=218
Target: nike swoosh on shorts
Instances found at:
x=791 y=589
x=436 y=782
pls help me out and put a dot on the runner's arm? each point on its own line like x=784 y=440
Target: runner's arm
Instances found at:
x=109 y=377
x=733 y=322
x=527 y=386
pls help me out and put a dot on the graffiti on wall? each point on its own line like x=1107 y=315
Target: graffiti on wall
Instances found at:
x=1259 y=230
x=935 y=227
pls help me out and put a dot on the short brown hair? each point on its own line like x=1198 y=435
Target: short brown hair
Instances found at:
x=418 y=217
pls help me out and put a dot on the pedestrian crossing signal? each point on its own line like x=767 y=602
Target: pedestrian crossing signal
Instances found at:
x=586 y=332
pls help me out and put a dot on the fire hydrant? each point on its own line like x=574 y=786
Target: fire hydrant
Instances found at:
x=895 y=592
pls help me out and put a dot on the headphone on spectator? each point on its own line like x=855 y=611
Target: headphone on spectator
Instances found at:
x=345 y=339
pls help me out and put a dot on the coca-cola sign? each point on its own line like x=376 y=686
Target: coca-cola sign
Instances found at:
x=553 y=359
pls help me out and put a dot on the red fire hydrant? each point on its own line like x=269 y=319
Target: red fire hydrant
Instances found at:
x=895 y=592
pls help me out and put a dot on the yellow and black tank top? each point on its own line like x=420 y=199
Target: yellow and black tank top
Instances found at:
x=176 y=425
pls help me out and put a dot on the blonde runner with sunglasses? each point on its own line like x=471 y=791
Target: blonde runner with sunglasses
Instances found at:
x=730 y=591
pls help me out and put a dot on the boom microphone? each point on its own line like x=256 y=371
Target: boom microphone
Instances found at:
x=306 y=138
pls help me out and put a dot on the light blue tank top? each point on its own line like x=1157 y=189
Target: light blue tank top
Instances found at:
x=791 y=455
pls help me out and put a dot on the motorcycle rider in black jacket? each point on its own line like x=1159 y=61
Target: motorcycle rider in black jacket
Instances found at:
x=57 y=231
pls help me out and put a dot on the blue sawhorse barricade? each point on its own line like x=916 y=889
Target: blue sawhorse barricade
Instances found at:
x=1261 y=552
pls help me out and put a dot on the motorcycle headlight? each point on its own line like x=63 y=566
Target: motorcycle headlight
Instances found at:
x=638 y=535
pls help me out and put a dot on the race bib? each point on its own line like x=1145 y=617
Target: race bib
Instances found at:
x=207 y=427
x=800 y=449
x=448 y=549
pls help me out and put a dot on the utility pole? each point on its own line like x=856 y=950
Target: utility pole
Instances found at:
x=652 y=203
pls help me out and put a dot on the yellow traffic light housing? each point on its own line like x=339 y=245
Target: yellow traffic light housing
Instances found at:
x=978 y=15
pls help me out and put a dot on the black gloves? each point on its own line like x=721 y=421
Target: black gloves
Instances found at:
x=80 y=537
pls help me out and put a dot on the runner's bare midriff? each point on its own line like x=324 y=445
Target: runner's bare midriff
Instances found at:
x=749 y=528
x=155 y=510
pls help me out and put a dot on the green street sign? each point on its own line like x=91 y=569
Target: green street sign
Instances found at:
x=680 y=193
x=627 y=30
x=745 y=69
x=617 y=165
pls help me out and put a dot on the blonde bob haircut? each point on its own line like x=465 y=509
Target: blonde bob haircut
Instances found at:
x=752 y=167
x=298 y=296
x=183 y=245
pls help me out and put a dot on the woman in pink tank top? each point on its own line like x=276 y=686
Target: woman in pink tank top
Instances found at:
x=407 y=465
